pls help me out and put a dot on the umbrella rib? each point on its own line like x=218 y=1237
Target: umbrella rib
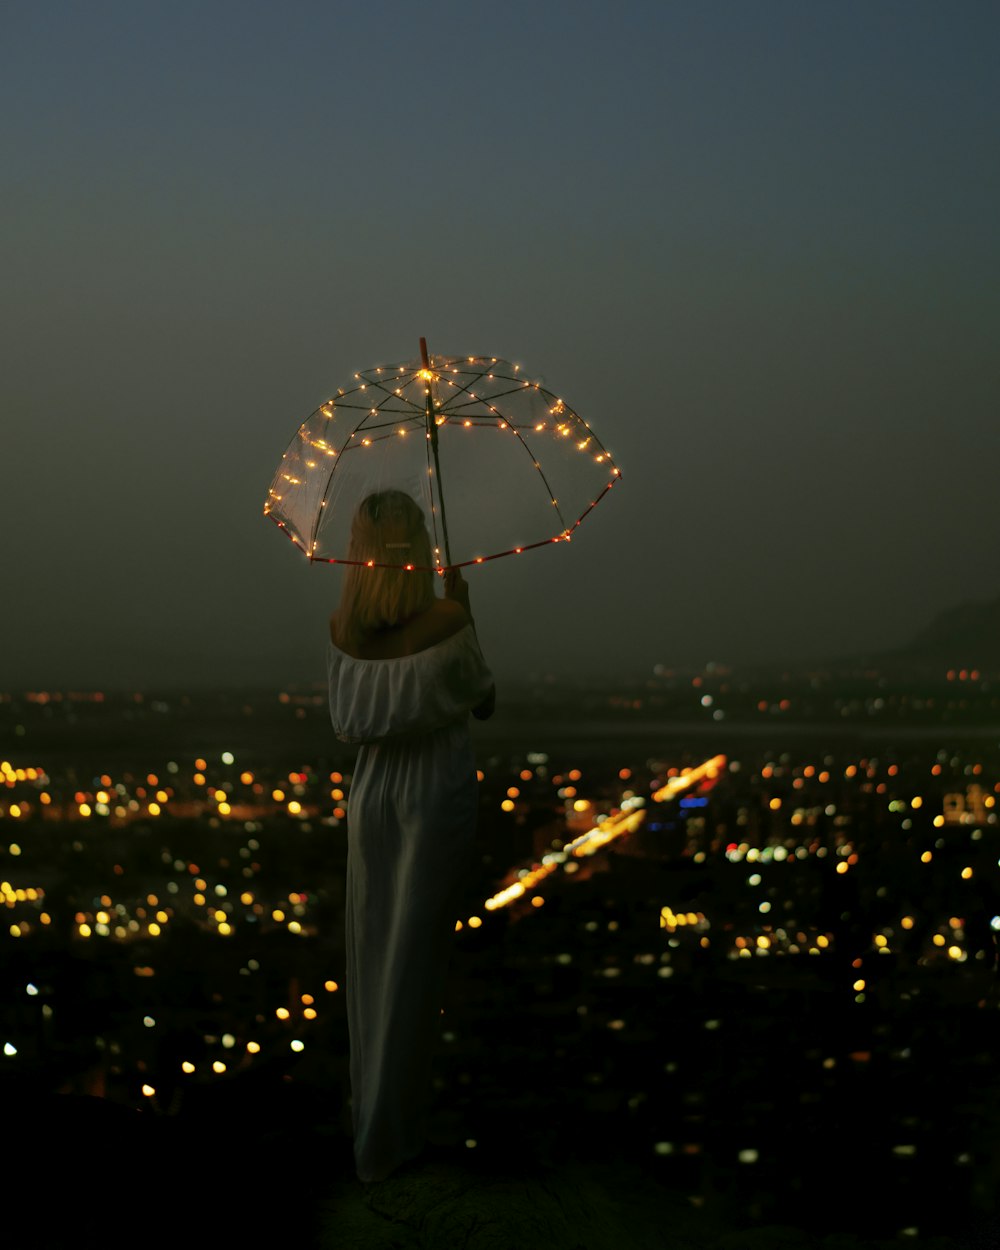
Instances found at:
x=326 y=495
x=391 y=394
x=381 y=425
x=464 y=388
x=367 y=407
x=541 y=473
x=337 y=403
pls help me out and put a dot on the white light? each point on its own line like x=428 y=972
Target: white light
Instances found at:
x=9 y=1048
x=227 y=757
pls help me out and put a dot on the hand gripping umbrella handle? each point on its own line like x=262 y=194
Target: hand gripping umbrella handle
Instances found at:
x=432 y=430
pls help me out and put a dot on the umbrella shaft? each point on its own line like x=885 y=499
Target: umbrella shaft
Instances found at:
x=433 y=431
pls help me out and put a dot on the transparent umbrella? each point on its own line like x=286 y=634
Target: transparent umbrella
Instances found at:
x=497 y=461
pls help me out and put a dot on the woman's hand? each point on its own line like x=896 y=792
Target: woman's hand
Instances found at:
x=457 y=588
x=486 y=709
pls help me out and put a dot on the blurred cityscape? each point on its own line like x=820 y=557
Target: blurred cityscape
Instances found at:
x=739 y=930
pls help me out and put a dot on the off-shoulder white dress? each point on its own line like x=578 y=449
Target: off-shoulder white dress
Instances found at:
x=411 y=822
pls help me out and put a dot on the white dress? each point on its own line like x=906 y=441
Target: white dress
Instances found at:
x=411 y=822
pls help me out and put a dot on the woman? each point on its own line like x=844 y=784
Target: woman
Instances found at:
x=404 y=671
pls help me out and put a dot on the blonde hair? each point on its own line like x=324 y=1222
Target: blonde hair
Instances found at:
x=388 y=526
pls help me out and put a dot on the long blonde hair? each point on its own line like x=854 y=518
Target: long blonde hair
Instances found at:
x=388 y=526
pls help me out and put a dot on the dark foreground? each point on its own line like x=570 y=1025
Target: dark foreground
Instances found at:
x=112 y=1175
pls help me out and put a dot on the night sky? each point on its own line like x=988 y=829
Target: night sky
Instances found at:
x=754 y=245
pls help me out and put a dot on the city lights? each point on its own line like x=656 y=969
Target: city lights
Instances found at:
x=652 y=895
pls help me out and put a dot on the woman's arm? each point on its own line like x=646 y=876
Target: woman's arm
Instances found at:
x=456 y=588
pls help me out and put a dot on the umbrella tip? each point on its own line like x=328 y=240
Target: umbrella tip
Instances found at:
x=423 y=353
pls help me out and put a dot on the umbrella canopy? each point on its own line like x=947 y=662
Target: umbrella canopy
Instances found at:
x=496 y=460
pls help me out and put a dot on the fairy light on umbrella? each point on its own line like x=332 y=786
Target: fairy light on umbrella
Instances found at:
x=523 y=469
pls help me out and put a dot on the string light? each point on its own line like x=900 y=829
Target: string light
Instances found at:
x=482 y=392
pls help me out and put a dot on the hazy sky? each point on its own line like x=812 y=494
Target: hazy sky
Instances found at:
x=754 y=244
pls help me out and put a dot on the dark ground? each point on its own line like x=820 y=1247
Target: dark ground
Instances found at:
x=272 y=1166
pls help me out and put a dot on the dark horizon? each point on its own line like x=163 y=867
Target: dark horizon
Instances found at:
x=963 y=637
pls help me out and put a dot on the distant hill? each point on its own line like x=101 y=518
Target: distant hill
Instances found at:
x=964 y=637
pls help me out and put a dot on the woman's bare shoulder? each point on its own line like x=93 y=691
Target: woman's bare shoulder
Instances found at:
x=442 y=619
